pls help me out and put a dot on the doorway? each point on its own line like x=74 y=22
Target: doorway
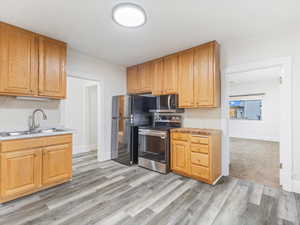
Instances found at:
x=251 y=149
x=81 y=113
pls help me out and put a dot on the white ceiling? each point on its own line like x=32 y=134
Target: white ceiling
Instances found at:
x=173 y=25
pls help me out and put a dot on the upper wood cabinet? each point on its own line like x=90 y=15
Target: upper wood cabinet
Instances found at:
x=132 y=80
x=206 y=75
x=170 y=75
x=186 y=79
x=193 y=74
x=144 y=77
x=199 y=77
x=165 y=75
x=31 y=64
x=158 y=73
x=18 y=61
x=52 y=74
x=139 y=78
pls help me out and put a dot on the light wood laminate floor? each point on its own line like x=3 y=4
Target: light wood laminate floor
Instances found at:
x=109 y=193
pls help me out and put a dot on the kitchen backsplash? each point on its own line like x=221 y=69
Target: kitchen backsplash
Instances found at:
x=202 y=118
x=14 y=113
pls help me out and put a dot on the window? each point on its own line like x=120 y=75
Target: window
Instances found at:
x=245 y=109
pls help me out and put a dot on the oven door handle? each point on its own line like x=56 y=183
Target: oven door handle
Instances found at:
x=155 y=134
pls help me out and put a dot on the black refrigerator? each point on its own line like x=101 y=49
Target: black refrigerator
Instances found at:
x=128 y=113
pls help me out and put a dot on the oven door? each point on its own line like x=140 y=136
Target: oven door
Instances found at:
x=154 y=145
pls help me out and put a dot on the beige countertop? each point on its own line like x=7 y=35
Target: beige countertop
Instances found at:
x=35 y=135
x=197 y=131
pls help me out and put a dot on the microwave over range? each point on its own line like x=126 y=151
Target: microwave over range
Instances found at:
x=167 y=104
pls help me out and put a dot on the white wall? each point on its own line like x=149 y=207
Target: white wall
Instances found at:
x=112 y=79
x=77 y=115
x=14 y=113
x=92 y=115
x=263 y=48
x=202 y=118
x=269 y=127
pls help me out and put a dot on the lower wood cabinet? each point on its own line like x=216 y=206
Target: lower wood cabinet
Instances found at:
x=57 y=164
x=196 y=155
x=30 y=165
x=20 y=172
x=180 y=157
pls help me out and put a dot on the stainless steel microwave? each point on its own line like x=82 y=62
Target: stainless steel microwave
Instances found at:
x=167 y=104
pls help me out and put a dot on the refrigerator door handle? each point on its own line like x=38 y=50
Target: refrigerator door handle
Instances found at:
x=131 y=119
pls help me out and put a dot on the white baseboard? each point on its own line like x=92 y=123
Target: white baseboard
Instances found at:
x=296 y=186
x=273 y=139
x=83 y=148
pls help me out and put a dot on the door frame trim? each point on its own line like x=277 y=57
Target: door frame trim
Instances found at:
x=101 y=154
x=286 y=144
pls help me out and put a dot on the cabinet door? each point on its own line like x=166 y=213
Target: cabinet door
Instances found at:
x=158 y=77
x=57 y=163
x=186 y=79
x=52 y=74
x=205 y=76
x=144 y=79
x=180 y=157
x=18 y=61
x=20 y=172
x=132 y=81
x=170 y=74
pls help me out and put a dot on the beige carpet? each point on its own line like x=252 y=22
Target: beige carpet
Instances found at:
x=255 y=160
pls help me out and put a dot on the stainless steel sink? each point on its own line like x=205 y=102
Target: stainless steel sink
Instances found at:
x=51 y=130
x=29 y=132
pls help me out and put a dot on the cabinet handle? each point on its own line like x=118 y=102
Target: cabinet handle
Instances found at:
x=195 y=135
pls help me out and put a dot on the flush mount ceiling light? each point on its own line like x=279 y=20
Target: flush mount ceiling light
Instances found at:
x=129 y=15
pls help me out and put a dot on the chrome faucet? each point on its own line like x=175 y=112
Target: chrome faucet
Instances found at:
x=33 y=123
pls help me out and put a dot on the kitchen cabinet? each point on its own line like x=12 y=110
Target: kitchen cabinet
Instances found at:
x=193 y=74
x=165 y=75
x=144 y=77
x=206 y=76
x=170 y=75
x=20 y=172
x=31 y=64
x=57 y=163
x=139 y=78
x=132 y=80
x=158 y=73
x=52 y=74
x=180 y=157
x=18 y=61
x=186 y=79
x=196 y=154
x=33 y=164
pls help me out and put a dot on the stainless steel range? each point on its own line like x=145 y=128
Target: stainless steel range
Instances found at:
x=154 y=142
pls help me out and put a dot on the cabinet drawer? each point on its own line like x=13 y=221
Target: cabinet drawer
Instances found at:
x=199 y=159
x=199 y=139
x=200 y=172
x=56 y=140
x=180 y=136
x=199 y=148
x=15 y=145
